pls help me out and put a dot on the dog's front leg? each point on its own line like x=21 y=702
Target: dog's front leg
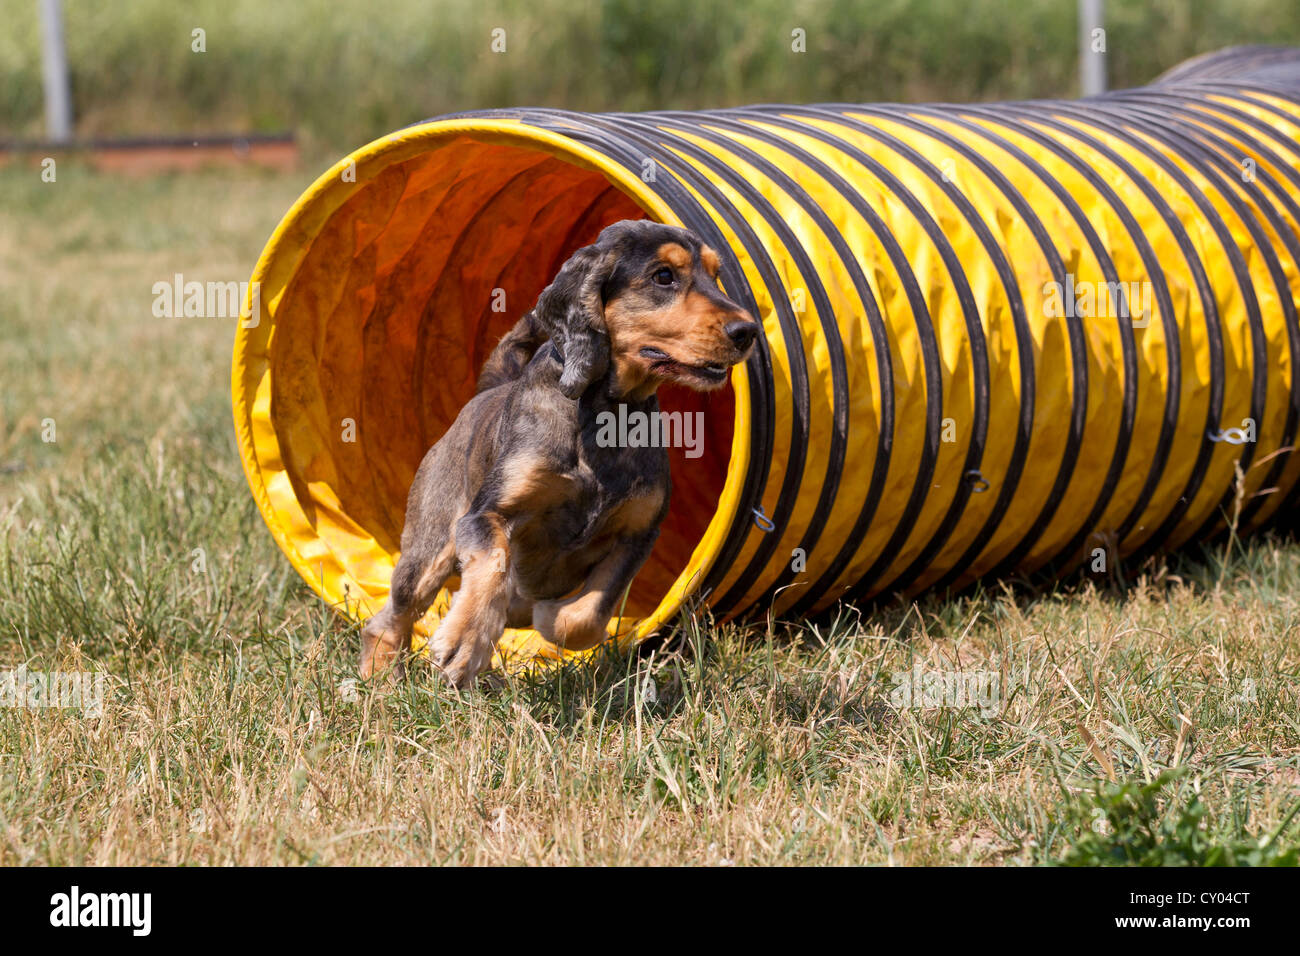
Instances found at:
x=462 y=646
x=579 y=622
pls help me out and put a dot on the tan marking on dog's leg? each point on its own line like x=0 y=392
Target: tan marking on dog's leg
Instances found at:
x=532 y=486
x=637 y=514
x=462 y=646
x=576 y=624
x=386 y=637
x=579 y=623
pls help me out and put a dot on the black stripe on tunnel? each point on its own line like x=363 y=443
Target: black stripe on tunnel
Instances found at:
x=744 y=125
x=1200 y=279
x=1240 y=271
x=1164 y=301
x=925 y=331
x=1199 y=111
x=1191 y=119
x=1015 y=303
x=920 y=312
x=1078 y=340
x=1254 y=93
x=1128 y=348
x=978 y=428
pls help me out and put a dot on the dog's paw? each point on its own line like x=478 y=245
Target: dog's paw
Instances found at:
x=460 y=661
x=383 y=651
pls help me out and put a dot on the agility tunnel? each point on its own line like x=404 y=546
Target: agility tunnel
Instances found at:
x=1005 y=337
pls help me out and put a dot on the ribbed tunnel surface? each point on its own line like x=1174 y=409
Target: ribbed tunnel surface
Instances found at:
x=997 y=337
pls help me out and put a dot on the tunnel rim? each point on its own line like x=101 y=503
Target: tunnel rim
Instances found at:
x=259 y=447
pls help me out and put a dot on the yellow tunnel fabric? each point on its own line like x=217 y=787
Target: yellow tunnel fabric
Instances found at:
x=998 y=337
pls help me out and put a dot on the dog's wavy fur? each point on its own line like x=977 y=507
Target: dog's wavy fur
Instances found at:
x=546 y=527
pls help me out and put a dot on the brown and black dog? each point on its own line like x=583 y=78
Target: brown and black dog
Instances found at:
x=546 y=525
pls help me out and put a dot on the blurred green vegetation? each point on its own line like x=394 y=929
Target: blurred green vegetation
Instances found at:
x=346 y=71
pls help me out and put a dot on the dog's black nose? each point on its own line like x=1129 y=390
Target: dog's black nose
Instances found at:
x=742 y=334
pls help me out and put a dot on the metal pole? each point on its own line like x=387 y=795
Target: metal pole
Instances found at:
x=1092 y=49
x=58 y=98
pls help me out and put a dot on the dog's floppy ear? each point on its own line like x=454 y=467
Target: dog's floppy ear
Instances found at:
x=571 y=311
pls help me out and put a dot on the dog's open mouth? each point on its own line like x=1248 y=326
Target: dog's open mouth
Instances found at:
x=710 y=373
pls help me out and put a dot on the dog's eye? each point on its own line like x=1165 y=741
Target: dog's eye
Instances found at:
x=663 y=277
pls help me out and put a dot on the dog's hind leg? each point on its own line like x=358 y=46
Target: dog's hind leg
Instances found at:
x=417 y=579
x=462 y=646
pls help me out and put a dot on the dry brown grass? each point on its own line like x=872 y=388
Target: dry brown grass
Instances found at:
x=231 y=733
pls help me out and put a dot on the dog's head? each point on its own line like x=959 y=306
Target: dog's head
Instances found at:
x=642 y=304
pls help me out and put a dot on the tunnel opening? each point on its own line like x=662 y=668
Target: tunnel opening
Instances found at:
x=404 y=281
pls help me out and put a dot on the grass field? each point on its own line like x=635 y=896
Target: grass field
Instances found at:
x=1157 y=723
x=342 y=74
